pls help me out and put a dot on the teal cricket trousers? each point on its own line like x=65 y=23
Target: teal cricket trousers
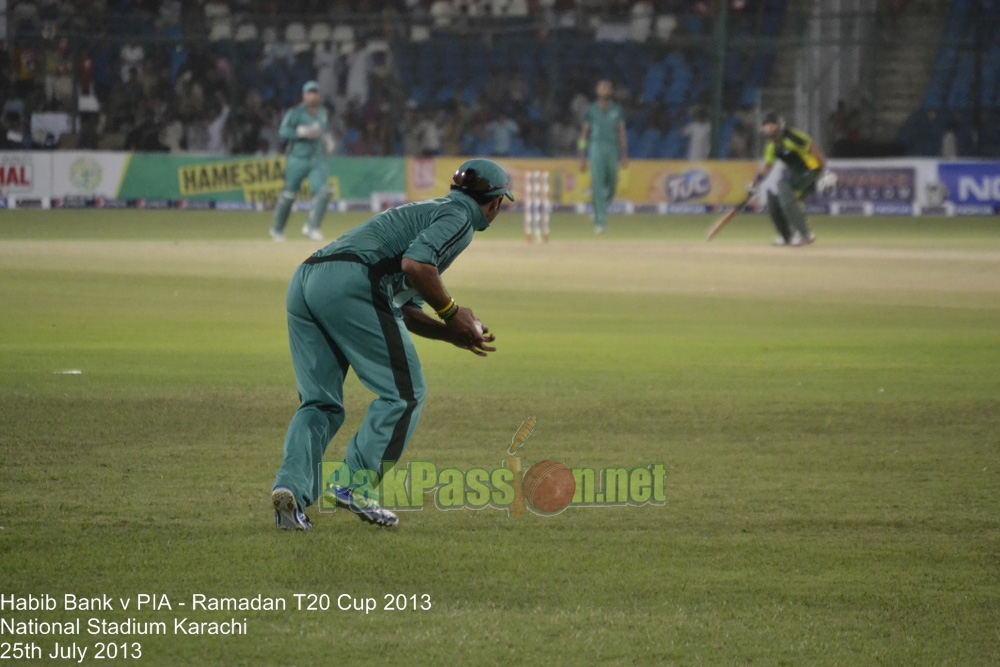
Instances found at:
x=296 y=171
x=603 y=183
x=338 y=318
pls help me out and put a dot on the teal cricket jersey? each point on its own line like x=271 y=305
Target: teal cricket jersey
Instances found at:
x=433 y=232
x=604 y=127
x=306 y=149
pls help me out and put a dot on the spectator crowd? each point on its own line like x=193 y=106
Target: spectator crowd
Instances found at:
x=215 y=76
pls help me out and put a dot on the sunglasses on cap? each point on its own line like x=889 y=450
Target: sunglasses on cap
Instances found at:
x=471 y=180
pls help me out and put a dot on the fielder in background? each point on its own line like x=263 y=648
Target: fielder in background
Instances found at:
x=603 y=139
x=353 y=304
x=305 y=129
x=806 y=165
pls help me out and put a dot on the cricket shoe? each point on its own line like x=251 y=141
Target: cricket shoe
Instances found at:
x=780 y=242
x=366 y=509
x=599 y=229
x=312 y=232
x=287 y=515
x=798 y=240
x=277 y=236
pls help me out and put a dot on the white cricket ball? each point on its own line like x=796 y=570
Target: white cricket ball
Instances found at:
x=479 y=327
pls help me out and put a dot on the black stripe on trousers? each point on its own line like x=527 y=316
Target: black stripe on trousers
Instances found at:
x=400 y=370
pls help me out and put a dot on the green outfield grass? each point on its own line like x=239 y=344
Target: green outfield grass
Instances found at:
x=829 y=418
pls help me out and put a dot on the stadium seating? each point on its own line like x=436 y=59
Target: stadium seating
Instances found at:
x=660 y=59
x=320 y=32
x=664 y=26
x=296 y=35
x=648 y=145
x=965 y=80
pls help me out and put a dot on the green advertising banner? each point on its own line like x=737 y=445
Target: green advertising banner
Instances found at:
x=253 y=180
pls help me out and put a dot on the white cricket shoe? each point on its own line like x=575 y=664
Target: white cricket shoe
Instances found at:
x=312 y=232
x=287 y=515
x=798 y=240
x=367 y=510
x=277 y=236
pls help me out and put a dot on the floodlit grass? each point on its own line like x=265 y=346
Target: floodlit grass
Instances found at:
x=829 y=418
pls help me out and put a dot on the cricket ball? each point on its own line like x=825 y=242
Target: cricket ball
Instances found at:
x=549 y=486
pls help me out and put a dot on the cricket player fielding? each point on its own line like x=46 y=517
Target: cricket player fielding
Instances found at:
x=304 y=127
x=353 y=304
x=604 y=142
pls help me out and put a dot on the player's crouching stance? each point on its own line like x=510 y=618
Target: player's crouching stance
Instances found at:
x=353 y=304
x=807 y=173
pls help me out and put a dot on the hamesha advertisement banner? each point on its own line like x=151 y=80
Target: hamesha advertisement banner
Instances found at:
x=252 y=180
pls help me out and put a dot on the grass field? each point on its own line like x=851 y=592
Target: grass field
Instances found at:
x=829 y=418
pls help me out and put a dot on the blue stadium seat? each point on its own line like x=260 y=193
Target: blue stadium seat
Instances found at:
x=960 y=96
x=990 y=93
x=468 y=144
x=652 y=87
x=444 y=95
x=726 y=135
x=517 y=147
x=989 y=142
x=632 y=133
x=693 y=24
x=469 y=94
x=674 y=146
x=921 y=133
x=267 y=92
x=676 y=92
x=535 y=112
x=749 y=97
x=482 y=147
x=648 y=144
x=957 y=18
x=937 y=88
x=420 y=94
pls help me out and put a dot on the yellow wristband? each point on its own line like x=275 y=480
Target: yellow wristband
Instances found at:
x=444 y=310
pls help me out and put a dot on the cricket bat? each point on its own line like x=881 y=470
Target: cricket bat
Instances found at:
x=724 y=220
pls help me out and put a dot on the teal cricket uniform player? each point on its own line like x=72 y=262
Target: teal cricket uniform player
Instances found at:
x=805 y=163
x=304 y=127
x=353 y=305
x=604 y=141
